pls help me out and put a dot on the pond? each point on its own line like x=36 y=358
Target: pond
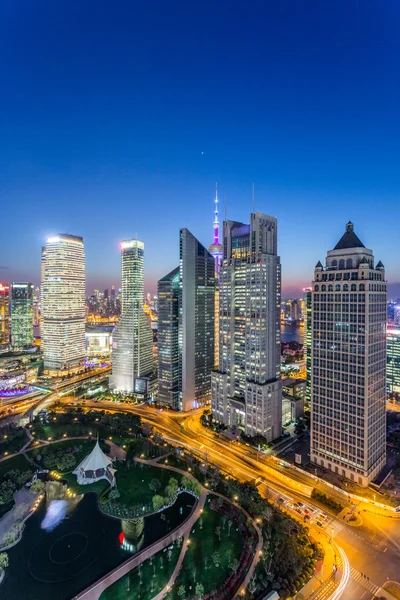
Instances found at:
x=86 y=545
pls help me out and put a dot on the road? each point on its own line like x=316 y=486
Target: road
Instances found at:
x=24 y=404
x=372 y=548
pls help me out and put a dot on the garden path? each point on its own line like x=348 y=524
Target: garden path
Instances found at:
x=94 y=591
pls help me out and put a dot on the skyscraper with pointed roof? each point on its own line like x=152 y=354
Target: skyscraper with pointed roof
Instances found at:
x=348 y=391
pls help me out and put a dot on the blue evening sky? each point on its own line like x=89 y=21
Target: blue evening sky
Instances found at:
x=117 y=119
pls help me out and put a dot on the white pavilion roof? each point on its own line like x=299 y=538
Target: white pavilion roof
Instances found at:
x=93 y=461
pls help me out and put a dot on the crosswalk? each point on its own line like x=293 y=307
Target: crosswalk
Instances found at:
x=364 y=581
x=325 y=591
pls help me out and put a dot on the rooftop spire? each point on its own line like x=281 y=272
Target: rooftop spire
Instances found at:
x=349 y=239
x=216 y=221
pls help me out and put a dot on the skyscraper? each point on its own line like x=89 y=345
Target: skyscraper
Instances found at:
x=21 y=315
x=348 y=400
x=132 y=357
x=246 y=389
x=4 y=314
x=63 y=302
x=186 y=308
x=217 y=251
x=393 y=359
x=168 y=340
x=196 y=325
x=307 y=346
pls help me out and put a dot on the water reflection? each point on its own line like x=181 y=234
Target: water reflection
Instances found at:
x=84 y=546
x=132 y=535
x=57 y=504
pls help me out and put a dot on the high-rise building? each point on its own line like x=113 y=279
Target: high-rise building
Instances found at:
x=295 y=311
x=21 y=315
x=132 y=357
x=63 y=302
x=396 y=319
x=217 y=251
x=393 y=359
x=168 y=340
x=4 y=314
x=196 y=325
x=186 y=308
x=308 y=341
x=348 y=396
x=246 y=389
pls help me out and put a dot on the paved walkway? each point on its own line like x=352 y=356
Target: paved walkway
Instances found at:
x=21 y=497
x=94 y=591
x=177 y=569
x=116 y=451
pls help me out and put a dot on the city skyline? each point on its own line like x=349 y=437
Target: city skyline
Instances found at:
x=130 y=128
x=289 y=290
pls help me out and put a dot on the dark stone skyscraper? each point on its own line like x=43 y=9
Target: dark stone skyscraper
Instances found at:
x=186 y=307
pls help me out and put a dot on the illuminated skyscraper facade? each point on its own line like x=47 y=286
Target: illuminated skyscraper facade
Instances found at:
x=246 y=389
x=21 y=315
x=63 y=302
x=308 y=341
x=132 y=357
x=393 y=359
x=186 y=305
x=348 y=394
x=4 y=314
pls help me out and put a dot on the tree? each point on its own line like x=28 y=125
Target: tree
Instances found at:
x=3 y=560
x=49 y=460
x=158 y=502
x=66 y=461
x=37 y=487
x=216 y=559
x=234 y=565
x=229 y=527
x=114 y=494
x=154 y=485
x=181 y=591
x=199 y=591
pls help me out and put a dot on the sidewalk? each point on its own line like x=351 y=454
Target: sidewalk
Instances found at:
x=326 y=569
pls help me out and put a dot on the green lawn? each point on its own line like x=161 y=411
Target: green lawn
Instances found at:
x=144 y=582
x=16 y=462
x=198 y=565
x=74 y=486
x=133 y=483
x=13 y=442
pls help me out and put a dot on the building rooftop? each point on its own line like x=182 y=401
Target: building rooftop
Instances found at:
x=349 y=239
x=171 y=276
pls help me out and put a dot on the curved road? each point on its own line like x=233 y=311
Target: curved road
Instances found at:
x=373 y=549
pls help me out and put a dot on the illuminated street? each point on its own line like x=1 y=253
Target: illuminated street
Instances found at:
x=372 y=549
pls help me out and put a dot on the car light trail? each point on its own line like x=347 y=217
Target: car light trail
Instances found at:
x=345 y=577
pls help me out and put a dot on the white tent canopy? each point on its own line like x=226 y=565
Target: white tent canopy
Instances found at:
x=95 y=466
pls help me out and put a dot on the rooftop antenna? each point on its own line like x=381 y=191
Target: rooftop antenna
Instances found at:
x=216 y=221
x=224 y=207
x=252 y=200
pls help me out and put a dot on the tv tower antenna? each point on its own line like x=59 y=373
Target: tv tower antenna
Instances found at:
x=216 y=221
